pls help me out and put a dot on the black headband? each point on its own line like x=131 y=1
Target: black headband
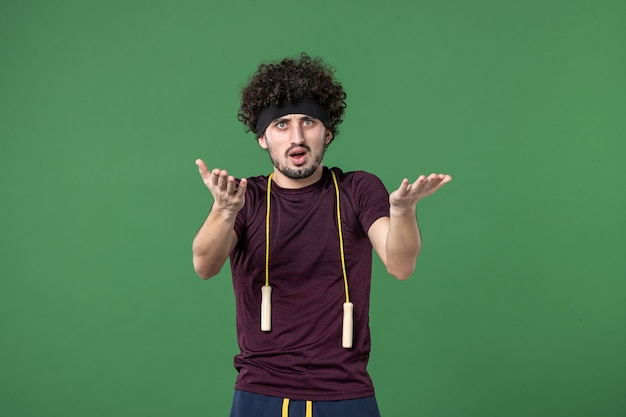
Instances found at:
x=301 y=106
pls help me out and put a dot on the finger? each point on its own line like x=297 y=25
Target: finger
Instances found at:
x=441 y=179
x=222 y=180
x=439 y=182
x=231 y=188
x=425 y=184
x=243 y=185
x=215 y=175
x=418 y=182
x=202 y=168
x=404 y=185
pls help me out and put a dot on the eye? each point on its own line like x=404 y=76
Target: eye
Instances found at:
x=307 y=122
x=281 y=125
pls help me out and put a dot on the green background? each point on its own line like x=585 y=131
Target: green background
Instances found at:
x=518 y=304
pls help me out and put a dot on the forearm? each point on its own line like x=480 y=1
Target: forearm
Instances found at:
x=397 y=238
x=213 y=243
x=403 y=242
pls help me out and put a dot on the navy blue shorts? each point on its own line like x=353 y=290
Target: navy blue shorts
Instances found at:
x=246 y=404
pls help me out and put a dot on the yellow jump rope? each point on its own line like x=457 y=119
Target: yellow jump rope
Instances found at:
x=266 y=290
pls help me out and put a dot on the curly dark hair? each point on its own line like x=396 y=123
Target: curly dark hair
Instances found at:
x=290 y=80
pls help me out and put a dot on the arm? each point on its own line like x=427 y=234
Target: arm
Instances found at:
x=396 y=238
x=216 y=238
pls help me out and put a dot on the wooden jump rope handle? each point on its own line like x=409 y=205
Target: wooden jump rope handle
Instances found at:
x=266 y=308
x=348 y=323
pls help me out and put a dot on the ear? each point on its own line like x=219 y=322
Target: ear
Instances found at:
x=262 y=141
x=329 y=137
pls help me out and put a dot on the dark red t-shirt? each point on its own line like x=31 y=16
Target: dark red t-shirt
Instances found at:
x=302 y=357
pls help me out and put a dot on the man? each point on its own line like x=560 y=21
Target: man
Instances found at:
x=300 y=246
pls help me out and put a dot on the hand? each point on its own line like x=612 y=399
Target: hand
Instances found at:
x=408 y=195
x=227 y=195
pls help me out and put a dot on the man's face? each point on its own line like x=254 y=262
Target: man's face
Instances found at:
x=296 y=145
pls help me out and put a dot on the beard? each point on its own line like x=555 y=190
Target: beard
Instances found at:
x=297 y=173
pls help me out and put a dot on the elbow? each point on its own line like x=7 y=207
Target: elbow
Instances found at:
x=402 y=270
x=203 y=270
x=403 y=266
x=401 y=273
x=204 y=275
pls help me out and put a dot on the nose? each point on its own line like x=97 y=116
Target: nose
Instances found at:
x=297 y=136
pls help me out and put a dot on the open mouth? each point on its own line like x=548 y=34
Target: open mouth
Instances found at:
x=298 y=156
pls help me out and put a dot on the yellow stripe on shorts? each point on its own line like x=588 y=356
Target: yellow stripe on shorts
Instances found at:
x=309 y=408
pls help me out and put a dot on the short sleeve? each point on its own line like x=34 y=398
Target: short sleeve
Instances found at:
x=372 y=198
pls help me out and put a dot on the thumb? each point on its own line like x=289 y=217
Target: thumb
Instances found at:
x=202 y=167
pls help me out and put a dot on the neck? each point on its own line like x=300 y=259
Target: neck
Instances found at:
x=284 y=181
